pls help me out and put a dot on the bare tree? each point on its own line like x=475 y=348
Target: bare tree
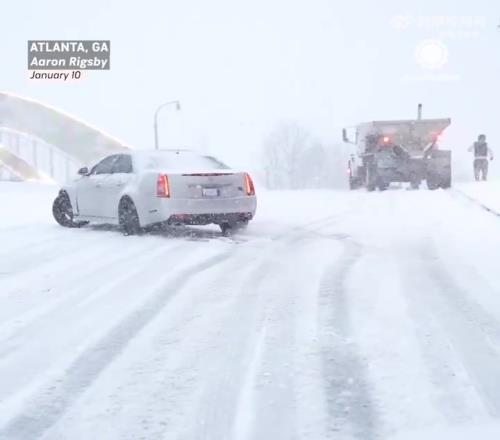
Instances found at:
x=284 y=151
x=294 y=159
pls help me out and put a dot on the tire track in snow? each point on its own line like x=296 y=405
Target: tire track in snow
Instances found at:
x=230 y=396
x=29 y=240
x=52 y=402
x=451 y=394
x=313 y=228
x=41 y=257
x=171 y=363
x=475 y=202
x=70 y=295
x=474 y=333
x=222 y=404
x=349 y=403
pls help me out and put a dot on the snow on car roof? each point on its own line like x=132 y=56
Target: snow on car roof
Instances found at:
x=176 y=159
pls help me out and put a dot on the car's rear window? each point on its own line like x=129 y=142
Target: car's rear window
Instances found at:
x=180 y=160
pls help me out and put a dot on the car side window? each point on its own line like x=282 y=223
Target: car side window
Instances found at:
x=105 y=166
x=123 y=164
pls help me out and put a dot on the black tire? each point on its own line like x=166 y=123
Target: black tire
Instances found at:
x=371 y=177
x=128 y=217
x=446 y=184
x=414 y=181
x=228 y=228
x=62 y=211
x=432 y=184
x=382 y=186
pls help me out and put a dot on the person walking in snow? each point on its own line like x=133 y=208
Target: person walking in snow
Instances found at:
x=481 y=155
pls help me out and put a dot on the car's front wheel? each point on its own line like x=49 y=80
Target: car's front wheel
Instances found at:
x=62 y=211
x=128 y=217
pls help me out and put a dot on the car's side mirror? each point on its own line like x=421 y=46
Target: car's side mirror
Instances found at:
x=83 y=171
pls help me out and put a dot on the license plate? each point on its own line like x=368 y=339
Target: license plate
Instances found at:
x=210 y=192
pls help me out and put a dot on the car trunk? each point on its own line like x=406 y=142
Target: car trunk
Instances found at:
x=206 y=184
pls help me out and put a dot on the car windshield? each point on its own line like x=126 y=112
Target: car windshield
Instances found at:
x=177 y=161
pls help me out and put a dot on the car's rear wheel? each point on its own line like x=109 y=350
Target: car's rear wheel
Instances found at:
x=62 y=211
x=227 y=228
x=128 y=217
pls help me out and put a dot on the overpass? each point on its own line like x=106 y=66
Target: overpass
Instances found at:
x=48 y=140
x=13 y=167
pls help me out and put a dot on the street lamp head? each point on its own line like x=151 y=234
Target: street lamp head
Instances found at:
x=177 y=107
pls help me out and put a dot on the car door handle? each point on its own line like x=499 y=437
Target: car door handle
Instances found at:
x=97 y=185
x=120 y=184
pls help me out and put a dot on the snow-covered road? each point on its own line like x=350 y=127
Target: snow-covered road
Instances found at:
x=337 y=315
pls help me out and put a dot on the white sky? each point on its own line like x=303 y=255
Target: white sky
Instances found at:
x=239 y=67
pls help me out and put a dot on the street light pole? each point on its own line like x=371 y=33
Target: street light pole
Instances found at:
x=177 y=107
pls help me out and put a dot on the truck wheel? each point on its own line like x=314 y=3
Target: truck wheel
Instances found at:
x=414 y=181
x=382 y=186
x=432 y=184
x=371 y=178
x=446 y=184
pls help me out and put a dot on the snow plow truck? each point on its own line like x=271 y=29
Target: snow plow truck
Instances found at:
x=399 y=151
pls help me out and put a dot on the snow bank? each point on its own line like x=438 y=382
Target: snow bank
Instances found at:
x=461 y=432
x=486 y=193
x=23 y=203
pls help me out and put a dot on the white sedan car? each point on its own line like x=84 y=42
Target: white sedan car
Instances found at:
x=144 y=188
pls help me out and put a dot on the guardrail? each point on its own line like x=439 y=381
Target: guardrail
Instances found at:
x=47 y=159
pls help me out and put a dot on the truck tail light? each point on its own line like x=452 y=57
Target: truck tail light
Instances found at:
x=249 y=186
x=162 y=186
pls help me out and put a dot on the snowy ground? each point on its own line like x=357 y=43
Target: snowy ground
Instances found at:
x=486 y=193
x=337 y=315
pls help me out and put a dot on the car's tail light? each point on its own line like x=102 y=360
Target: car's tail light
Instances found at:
x=162 y=186
x=249 y=186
